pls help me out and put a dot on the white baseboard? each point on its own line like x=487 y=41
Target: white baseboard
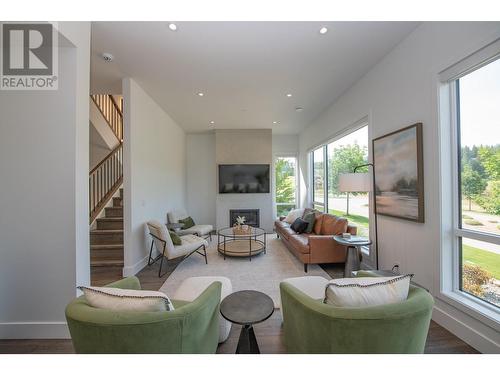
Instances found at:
x=135 y=268
x=466 y=333
x=34 y=330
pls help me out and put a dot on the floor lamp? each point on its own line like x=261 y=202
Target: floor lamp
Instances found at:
x=360 y=182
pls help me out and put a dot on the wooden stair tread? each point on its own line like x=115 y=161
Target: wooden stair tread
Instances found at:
x=106 y=247
x=106 y=263
x=120 y=218
x=104 y=231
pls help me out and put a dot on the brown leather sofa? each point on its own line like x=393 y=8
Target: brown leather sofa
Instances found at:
x=319 y=245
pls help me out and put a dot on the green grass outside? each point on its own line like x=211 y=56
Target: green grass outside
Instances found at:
x=360 y=221
x=483 y=258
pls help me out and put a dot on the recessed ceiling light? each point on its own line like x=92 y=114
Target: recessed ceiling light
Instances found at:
x=299 y=109
x=200 y=94
x=172 y=26
x=212 y=122
x=276 y=122
x=289 y=95
x=323 y=30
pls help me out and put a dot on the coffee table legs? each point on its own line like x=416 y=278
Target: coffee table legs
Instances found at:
x=247 y=344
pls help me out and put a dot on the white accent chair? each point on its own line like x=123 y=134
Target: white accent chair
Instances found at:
x=192 y=287
x=202 y=230
x=164 y=245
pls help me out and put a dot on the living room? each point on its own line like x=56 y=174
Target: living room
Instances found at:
x=258 y=187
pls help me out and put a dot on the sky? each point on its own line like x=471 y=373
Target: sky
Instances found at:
x=480 y=106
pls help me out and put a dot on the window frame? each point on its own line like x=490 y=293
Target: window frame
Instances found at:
x=325 y=178
x=297 y=185
x=450 y=270
x=459 y=232
x=368 y=255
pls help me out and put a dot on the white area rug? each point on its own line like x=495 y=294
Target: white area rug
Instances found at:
x=264 y=273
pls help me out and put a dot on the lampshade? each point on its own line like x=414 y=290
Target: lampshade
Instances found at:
x=351 y=182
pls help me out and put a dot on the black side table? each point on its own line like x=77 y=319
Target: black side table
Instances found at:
x=247 y=307
x=353 y=244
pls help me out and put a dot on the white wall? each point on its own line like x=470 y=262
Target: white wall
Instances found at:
x=98 y=149
x=201 y=177
x=154 y=171
x=44 y=237
x=285 y=144
x=399 y=91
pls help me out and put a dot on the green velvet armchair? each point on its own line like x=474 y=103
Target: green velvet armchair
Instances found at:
x=193 y=327
x=310 y=326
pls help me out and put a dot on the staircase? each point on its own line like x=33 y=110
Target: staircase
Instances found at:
x=106 y=235
x=106 y=241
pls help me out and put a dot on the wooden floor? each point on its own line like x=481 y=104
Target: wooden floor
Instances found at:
x=269 y=333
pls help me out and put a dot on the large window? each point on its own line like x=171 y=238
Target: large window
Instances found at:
x=477 y=229
x=341 y=156
x=285 y=169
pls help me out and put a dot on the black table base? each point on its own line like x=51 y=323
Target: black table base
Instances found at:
x=247 y=307
x=247 y=344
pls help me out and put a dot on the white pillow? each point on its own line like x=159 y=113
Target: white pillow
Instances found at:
x=367 y=291
x=127 y=299
x=294 y=215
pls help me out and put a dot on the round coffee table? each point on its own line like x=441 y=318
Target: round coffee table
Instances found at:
x=241 y=245
x=247 y=307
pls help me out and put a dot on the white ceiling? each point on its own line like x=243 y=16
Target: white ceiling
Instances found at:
x=245 y=69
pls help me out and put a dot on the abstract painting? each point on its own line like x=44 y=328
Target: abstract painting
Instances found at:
x=399 y=175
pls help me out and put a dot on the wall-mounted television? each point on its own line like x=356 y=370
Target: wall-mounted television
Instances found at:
x=244 y=178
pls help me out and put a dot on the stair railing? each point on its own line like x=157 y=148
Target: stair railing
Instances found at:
x=104 y=179
x=112 y=113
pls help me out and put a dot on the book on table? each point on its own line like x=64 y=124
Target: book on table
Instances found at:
x=356 y=239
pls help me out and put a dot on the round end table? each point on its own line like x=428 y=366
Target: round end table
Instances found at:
x=353 y=244
x=247 y=307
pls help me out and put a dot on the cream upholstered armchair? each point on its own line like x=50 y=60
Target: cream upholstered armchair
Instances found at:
x=202 y=230
x=164 y=245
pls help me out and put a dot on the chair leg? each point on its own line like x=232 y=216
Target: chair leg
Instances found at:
x=305 y=267
x=159 y=271
x=161 y=263
x=151 y=253
x=205 y=251
x=210 y=235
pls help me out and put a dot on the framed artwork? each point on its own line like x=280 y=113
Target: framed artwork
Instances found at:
x=399 y=173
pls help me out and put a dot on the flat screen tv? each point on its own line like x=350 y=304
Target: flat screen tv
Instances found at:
x=243 y=178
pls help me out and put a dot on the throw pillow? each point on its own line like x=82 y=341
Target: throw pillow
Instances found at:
x=188 y=222
x=293 y=215
x=126 y=299
x=367 y=291
x=310 y=218
x=318 y=223
x=333 y=225
x=176 y=240
x=299 y=225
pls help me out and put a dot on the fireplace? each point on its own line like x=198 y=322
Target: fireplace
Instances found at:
x=251 y=216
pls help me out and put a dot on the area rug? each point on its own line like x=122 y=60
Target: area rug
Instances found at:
x=264 y=273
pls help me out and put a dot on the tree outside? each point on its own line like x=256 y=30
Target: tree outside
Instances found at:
x=343 y=156
x=285 y=170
